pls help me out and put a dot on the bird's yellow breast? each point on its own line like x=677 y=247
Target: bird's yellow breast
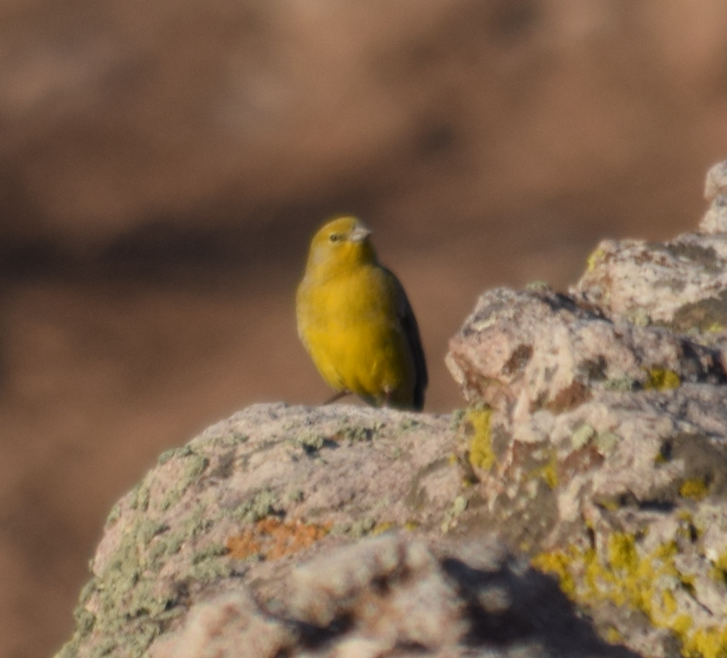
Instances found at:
x=350 y=327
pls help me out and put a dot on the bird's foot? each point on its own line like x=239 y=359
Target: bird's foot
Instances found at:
x=336 y=397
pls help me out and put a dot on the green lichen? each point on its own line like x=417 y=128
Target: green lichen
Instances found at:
x=258 y=507
x=622 y=383
x=481 y=454
x=582 y=435
x=456 y=418
x=409 y=425
x=538 y=285
x=126 y=604
x=165 y=545
x=638 y=316
x=114 y=515
x=607 y=441
x=193 y=466
x=209 y=551
x=705 y=316
x=139 y=497
x=361 y=528
x=208 y=570
x=310 y=441
x=459 y=505
x=130 y=608
x=167 y=455
x=295 y=496
x=661 y=379
x=358 y=433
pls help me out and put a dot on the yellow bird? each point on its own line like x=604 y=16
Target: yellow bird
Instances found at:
x=356 y=322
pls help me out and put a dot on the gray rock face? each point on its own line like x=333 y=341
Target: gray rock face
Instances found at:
x=239 y=500
x=600 y=444
x=201 y=559
x=715 y=191
x=575 y=508
x=680 y=285
x=538 y=349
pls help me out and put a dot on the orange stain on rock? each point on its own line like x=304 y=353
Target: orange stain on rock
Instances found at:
x=272 y=539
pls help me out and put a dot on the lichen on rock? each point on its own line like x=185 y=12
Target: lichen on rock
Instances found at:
x=576 y=507
x=611 y=400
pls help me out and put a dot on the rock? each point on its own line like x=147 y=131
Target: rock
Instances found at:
x=598 y=435
x=221 y=626
x=249 y=493
x=715 y=191
x=575 y=508
x=523 y=351
x=391 y=596
x=249 y=537
x=680 y=285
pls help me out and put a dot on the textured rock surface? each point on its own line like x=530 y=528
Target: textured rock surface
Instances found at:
x=392 y=596
x=594 y=450
x=201 y=142
x=715 y=191
x=681 y=284
x=200 y=559
x=538 y=349
x=599 y=434
x=235 y=502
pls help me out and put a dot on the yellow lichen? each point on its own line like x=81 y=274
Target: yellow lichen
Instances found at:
x=548 y=472
x=610 y=504
x=668 y=602
x=557 y=563
x=382 y=527
x=593 y=259
x=721 y=562
x=481 y=454
x=661 y=379
x=623 y=574
x=613 y=636
x=706 y=643
x=695 y=489
x=682 y=624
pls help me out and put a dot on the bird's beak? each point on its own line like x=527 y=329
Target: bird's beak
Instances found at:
x=359 y=234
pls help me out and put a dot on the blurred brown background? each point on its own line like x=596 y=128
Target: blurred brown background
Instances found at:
x=162 y=166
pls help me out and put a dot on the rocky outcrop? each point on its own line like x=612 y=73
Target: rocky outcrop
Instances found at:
x=575 y=508
x=201 y=558
x=600 y=444
x=680 y=285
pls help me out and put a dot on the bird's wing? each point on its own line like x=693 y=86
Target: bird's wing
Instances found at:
x=411 y=331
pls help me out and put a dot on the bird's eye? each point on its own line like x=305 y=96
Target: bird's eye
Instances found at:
x=334 y=237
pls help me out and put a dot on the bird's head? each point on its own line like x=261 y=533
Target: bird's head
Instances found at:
x=342 y=242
